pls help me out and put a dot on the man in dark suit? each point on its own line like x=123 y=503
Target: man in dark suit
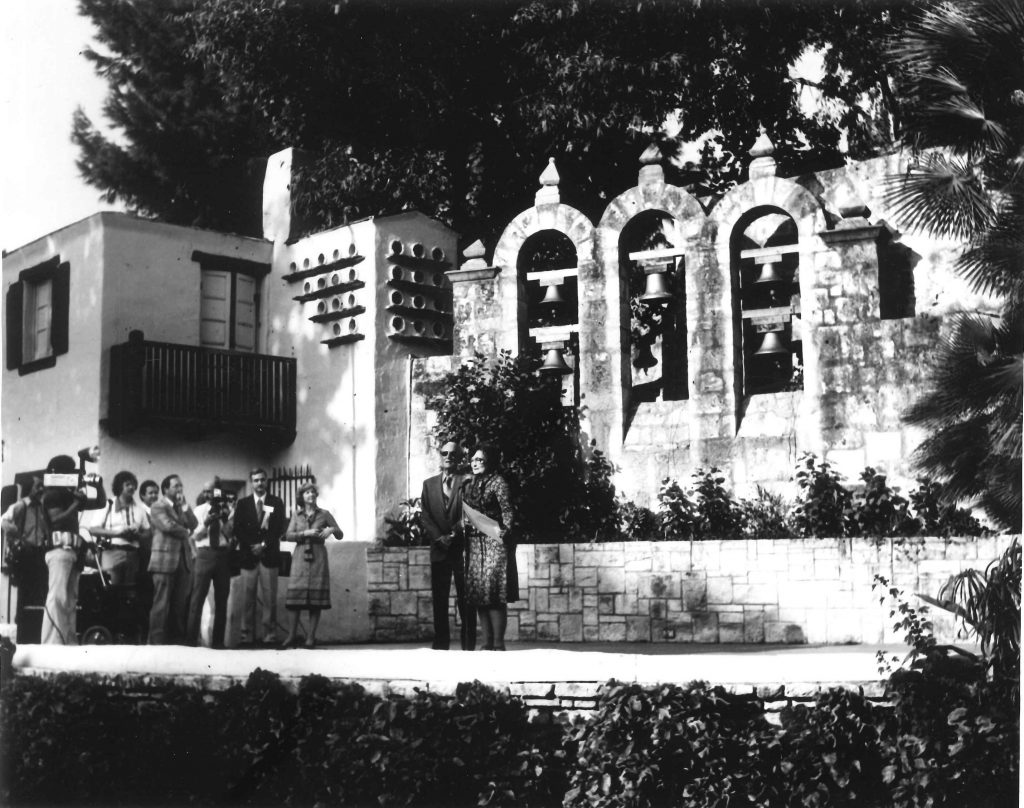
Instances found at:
x=257 y=527
x=441 y=501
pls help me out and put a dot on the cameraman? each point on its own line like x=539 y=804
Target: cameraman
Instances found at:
x=212 y=551
x=65 y=559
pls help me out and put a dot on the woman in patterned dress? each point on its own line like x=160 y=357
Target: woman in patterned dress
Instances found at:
x=491 y=577
x=309 y=584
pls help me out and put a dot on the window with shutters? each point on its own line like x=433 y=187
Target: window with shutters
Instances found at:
x=37 y=316
x=228 y=302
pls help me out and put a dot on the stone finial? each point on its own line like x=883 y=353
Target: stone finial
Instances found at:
x=548 y=193
x=763 y=164
x=651 y=171
x=474 y=255
x=652 y=155
x=763 y=146
x=850 y=205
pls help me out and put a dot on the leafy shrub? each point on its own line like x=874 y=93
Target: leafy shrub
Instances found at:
x=823 y=503
x=668 y=745
x=829 y=753
x=718 y=513
x=506 y=403
x=676 y=512
x=403 y=528
x=593 y=514
x=879 y=510
x=66 y=742
x=637 y=523
x=766 y=516
x=938 y=518
x=956 y=714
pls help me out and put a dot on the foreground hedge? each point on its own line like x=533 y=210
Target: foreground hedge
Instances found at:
x=68 y=741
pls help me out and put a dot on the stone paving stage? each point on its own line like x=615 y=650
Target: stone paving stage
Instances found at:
x=550 y=678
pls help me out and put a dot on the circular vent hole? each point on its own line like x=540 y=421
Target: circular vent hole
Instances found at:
x=437 y=254
x=396 y=247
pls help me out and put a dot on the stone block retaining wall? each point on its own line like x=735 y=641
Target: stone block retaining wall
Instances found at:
x=757 y=591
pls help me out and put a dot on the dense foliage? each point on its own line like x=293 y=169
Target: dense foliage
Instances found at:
x=520 y=411
x=824 y=508
x=961 y=77
x=69 y=741
x=453 y=108
x=947 y=735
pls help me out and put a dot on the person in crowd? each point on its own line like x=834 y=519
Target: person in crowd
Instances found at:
x=441 y=503
x=171 y=563
x=309 y=585
x=492 y=580
x=25 y=521
x=212 y=551
x=257 y=527
x=64 y=560
x=149 y=492
x=125 y=524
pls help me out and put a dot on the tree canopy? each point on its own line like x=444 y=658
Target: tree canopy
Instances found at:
x=453 y=108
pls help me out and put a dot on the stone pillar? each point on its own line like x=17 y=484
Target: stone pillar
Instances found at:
x=477 y=307
x=846 y=285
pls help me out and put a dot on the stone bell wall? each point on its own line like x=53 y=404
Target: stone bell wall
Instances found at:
x=869 y=311
x=756 y=591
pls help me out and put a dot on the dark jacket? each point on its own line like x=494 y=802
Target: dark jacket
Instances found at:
x=247 y=531
x=438 y=520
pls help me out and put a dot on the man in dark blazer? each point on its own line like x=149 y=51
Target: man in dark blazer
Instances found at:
x=441 y=502
x=257 y=527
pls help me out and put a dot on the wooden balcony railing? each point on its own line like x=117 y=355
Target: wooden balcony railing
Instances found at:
x=200 y=390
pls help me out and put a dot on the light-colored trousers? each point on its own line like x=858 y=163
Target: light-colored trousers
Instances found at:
x=61 y=598
x=259 y=592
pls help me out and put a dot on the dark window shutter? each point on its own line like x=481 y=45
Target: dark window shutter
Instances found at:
x=15 y=313
x=61 y=309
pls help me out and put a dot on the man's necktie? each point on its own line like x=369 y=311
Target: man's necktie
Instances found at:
x=446 y=487
x=259 y=513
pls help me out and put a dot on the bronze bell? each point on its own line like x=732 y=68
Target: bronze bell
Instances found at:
x=553 y=296
x=771 y=344
x=644 y=356
x=656 y=288
x=768 y=274
x=554 y=363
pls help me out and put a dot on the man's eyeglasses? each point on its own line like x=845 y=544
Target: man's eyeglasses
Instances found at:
x=450 y=453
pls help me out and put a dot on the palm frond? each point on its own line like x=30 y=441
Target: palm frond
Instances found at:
x=941 y=195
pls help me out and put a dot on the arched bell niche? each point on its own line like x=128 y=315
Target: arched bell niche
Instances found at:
x=547 y=266
x=654 y=306
x=765 y=266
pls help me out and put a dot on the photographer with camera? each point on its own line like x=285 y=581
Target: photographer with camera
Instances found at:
x=64 y=495
x=122 y=528
x=212 y=562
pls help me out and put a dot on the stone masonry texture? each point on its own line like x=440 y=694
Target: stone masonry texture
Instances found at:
x=758 y=591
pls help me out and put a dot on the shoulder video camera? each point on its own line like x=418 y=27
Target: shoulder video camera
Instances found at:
x=63 y=474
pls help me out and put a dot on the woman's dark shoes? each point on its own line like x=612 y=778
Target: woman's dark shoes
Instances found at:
x=289 y=642
x=486 y=647
x=310 y=644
